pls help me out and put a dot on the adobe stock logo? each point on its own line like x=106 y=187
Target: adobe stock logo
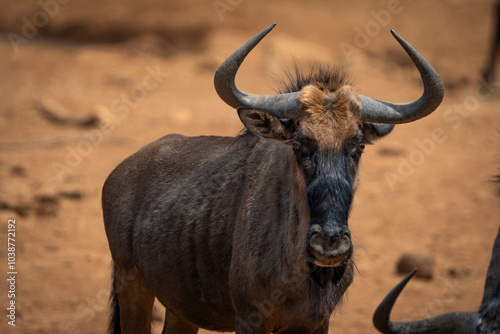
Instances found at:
x=222 y=6
x=30 y=28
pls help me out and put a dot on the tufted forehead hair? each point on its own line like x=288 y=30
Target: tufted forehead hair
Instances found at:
x=329 y=117
x=331 y=109
x=297 y=78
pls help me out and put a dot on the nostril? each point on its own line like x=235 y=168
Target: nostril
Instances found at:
x=339 y=243
x=340 y=237
x=345 y=231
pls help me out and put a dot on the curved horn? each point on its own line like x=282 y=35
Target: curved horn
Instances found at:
x=377 y=111
x=280 y=105
x=493 y=275
x=453 y=322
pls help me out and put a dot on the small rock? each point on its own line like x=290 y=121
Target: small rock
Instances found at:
x=424 y=263
x=71 y=194
x=56 y=113
x=46 y=205
x=459 y=272
x=18 y=170
x=390 y=151
x=15 y=195
x=22 y=209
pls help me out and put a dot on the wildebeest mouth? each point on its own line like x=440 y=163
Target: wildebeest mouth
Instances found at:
x=330 y=263
x=329 y=251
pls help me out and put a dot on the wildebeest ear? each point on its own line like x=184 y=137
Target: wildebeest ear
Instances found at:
x=374 y=131
x=263 y=124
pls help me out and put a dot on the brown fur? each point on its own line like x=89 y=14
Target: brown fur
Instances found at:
x=330 y=114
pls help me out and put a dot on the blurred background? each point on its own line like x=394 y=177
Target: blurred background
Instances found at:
x=84 y=84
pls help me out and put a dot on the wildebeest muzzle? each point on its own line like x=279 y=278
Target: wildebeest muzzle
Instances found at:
x=330 y=246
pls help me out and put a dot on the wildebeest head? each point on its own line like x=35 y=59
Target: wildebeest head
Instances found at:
x=327 y=123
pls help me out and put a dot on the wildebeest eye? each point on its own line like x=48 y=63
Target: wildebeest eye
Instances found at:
x=361 y=147
x=286 y=122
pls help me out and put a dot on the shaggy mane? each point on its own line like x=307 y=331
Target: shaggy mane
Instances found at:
x=296 y=78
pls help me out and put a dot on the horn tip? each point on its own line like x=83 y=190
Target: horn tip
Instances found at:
x=409 y=276
x=413 y=272
x=266 y=31
x=395 y=34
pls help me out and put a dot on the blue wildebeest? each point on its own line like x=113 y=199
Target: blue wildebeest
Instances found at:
x=249 y=233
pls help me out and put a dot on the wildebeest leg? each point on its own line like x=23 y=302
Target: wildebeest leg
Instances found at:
x=135 y=301
x=174 y=325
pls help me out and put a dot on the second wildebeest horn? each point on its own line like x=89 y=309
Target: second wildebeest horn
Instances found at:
x=453 y=322
x=492 y=284
x=287 y=105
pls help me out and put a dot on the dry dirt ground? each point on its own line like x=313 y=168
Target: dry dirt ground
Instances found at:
x=84 y=84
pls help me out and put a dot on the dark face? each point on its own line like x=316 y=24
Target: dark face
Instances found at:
x=332 y=178
x=328 y=138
